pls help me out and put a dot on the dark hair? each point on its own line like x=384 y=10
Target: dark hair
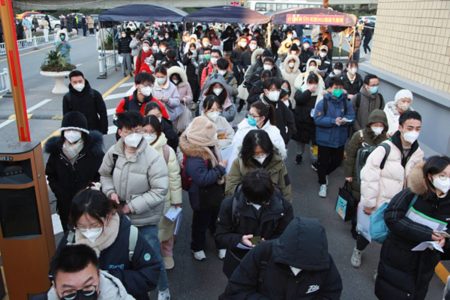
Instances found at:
x=257 y=186
x=151 y=106
x=129 y=119
x=209 y=102
x=288 y=84
x=352 y=63
x=223 y=64
x=407 y=115
x=265 y=110
x=207 y=49
x=336 y=81
x=223 y=96
x=154 y=122
x=216 y=51
x=91 y=202
x=161 y=69
x=164 y=43
x=171 y=54
x=369 y=77
x=338 y=66
x=144 y=77
x=253 y=138
x=272 y=81
x=177 y=76
x=312 y=78
x=269 y=59
x=266 y=73
x=75 y=73
x=434 y=165
x=283 y=93
x=74 y=258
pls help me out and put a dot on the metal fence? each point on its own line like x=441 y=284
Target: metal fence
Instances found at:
x=32 y=43
x=5 y=84
x=106 y=62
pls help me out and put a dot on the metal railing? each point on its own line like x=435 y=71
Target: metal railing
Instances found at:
x=32 y=43
x=5 y=84
x=107 y=61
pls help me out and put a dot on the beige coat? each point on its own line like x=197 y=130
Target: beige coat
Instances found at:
x=379 y=186
x=291 y=74
x=142 y=181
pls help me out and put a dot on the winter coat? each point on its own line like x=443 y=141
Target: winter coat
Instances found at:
x=392 y=115
x=110 y=288
x=174 y=194
x=140 y=61
x=140 y=275
x=291 y=74
x=244 y=128
x=304 y=123
x=229 y=109
x=131 y=103
x=124 y=45
x=141 y=181
x=359 y=138
x=284 y=119
x=304 y=58
x=246 y=58
x=66 y=179
x=328 y=134
x=90 y=103
x=170 y=133
x=265 y=271
x=268 y=223
x=135 y=46
x=256 y=64
x=367 y=104
x=352 y=88
x=273 y=164
x=191 y=66
x=199 y=168
x=402 y=273
x=183 y=87
x=168 y=94
x=223 y=125
x=301 y=80
x=379 y=186
x=206 y=71
x=325 y=65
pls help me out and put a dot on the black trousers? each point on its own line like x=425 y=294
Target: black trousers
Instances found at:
x=361 y=242
x=202 y=220
x=329 y=160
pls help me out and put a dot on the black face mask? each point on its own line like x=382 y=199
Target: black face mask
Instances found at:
x=81 y=295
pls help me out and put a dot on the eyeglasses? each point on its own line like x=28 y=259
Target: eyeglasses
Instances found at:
x=442 y=176
x=253 y=116
x=86 y=292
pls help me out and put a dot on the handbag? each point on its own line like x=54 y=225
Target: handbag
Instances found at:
x=378 y=228
x=345 y=203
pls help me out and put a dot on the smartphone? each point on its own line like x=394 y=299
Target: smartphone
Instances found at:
x=255 y=240
x=443 y=234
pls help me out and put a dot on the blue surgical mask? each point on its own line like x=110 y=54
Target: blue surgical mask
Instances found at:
x=373 y=90
x=251 y=121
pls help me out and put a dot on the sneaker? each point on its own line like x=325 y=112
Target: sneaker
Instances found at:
x=298 y=159
x=315 y=166
x=356 y=258
x=221 y=253
x=199 y=255
x=169 y=263
x=323 y=191
x=164 y=295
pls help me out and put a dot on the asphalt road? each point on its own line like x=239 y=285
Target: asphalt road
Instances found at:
x=191 y=279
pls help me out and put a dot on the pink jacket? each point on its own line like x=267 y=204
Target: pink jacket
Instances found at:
x=379 y=186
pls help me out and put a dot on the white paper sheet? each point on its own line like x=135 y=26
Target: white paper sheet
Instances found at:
x=178 y=224
x=428 y=245
x=57 y=226
x=243 y=247
x=173 y=213
x=363 y=225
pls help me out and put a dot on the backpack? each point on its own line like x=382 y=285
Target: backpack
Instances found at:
x=358 y=102
x=364 y=152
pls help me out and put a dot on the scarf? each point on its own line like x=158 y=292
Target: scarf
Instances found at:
x=71 y=151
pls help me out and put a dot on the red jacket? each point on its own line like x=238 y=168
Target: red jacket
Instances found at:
x=134 y=105
x=140 y=61
x=208 y=70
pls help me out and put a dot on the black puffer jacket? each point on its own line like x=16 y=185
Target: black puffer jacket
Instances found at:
x=265 y=271
x=124 y=45
x=268 y=222
x=306 y=129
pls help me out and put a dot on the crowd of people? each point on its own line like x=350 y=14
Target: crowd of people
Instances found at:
x=181 y=130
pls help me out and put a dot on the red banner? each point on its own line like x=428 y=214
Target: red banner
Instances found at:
x=316 y=20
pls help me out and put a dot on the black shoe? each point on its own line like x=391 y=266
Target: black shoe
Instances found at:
x=298 y=159
x=315 y=166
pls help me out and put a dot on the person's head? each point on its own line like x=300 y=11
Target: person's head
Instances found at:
x=352 y=67
x=76 y=274
x=193 y=49
x=123 y=34
x=312 y=65
x=171 y=55
x=436 y=172
x=163 y=46
x=294 y=50
x=62 y=36
x=215 y=56
x=155 y=46
x=129 y=126
x=312 y=79
x=403 y=100
x=212 y=107
x=242 y=42
x=161 y=75
x=323 y=51
x=202 y=132
x=257 y=187
x=266 y=53
x=253 y=44
x=306 y=43
x=74 y=127
x=377 y=122
x=289 y=34
x=153 y=109
x=146 y=45
x=205 y=42
x=265 y=75
x=260 y=113
x=337 y=69
x=371 y=83
x=410 y=124
x=296 y=41
x=336 y=87
x=222 y=66
x=272 y=89
x=286 y=86
x=152 y=129
x=175 y=78
x=268 y=63
x=77 y=80
x=144 y=83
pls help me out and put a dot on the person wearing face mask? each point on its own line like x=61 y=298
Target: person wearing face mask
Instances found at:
x=255 y=209
x=353 y=81
x=166 y=92
x=152 y=109
x=212 y=110
x=269 y=65
x=300 y=81
x=170 y=59
x=296 y=265
x=325 y=65
x=156 y=138
x=367 y=100
x=228 y=38
x=372 y=135
x=394 y=109
x=307 y=53
x=124 y=50
x=134 y=175
x=246 y=57
x=427 y=195
x=380 y=185
x=72 y=266
x=178 y=77
x=337 y=72
x=145 y=53
x=86 y=100
x=240 y=48
x=63 y=46
x=97 y=224
x=216 y=85
x=290 y=72
x=257 y=88
x=75 y=157
x=211 y=67
x=223 y=68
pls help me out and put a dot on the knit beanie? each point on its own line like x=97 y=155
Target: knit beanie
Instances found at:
x=74 y=120
x=403 y=94
x=202 y=132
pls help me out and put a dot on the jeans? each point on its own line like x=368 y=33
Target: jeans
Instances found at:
x=329 y=160
x=150 y=234
x=126 y=63
x=201 y=221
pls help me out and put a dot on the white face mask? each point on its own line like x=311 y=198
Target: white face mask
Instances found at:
x=252 y=46
x=72 y=136
x=155 y=48
x=150 y=137
x=353 y=71
x=291 y=65
x=217 y=91
x=145 y=48
x=162 y=50
x=260 y=158
x=243 y=45
x=312 y=68
x=337 y=72
x=132 y=140
x=403 y=106
x=286 y=102
x=306 y=46
x=175 y=81
x=222 y=72
x=194 y=52
x=78 y=87
x=273 y=96
x=322 y=54
x=161 y=80
x=213 y=60
x=411 y=136
x=146 y=91
x=213 y=115
x=268 y=67
x=377 y=130
x=92 y=234
x=442 y=184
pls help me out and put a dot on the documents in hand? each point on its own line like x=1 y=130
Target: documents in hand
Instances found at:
x=428 y=245
x=243 y=247
x=363 y=225
x=178 y=224
x=421 y=218
x=57 y=226
x=172 y=213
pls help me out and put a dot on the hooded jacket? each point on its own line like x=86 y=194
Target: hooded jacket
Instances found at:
x=265 y=271
x=379 y=186
x=301 y=80
x=367 y=137
x=304 y=122
x=168 y=94
x=367 y=104
x=140 y=61
x=90 y=103
x=402 y=273
x=229 y=109
x=255 y=64
x=392 y=115
x=184 y=88
x=142 y=181
x=291 y=74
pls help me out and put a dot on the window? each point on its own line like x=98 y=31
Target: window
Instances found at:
x=260 y=7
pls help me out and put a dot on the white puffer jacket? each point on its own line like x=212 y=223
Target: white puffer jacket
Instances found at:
x=291 y=74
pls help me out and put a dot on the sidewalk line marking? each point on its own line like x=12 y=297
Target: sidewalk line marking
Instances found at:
x=127 y=84
x=111 y=111
x=12 y=117
x=442 y=272
x=112 y=129
x=120 y=95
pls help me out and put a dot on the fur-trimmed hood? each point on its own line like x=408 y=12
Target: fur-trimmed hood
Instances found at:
x=179 y=71
x=416 y=180
x=93 y=143
x=255 y=53
x=193 y=150
x=286 y=62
